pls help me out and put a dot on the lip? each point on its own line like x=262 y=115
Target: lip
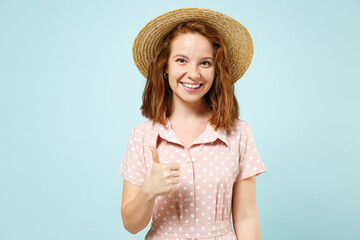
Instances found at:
x=191 y=83
x=191 y=89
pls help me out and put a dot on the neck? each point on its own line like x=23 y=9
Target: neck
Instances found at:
x=189 y=111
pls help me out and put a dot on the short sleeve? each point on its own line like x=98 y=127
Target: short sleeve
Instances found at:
x=132 y=167
x=250 y=160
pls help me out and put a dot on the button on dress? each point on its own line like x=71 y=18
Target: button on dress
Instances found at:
x=201 y=207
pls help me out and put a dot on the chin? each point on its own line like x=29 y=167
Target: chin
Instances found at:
x=192 y=100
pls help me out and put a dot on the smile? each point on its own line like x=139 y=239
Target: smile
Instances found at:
x=192 y=86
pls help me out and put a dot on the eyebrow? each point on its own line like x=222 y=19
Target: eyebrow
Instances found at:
x=181 y=55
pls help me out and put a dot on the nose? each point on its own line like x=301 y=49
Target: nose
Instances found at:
x=193 y=72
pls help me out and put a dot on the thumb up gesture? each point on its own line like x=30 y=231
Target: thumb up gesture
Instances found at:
x=164 y=178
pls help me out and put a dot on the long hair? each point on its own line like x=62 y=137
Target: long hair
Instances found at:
x=157 y=95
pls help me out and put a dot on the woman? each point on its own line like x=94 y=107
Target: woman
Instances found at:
x=193 y=163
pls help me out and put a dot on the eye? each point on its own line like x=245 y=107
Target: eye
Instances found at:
x=181 y=60
x=205 y=63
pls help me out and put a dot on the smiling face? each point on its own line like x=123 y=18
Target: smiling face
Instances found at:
x=190 y=67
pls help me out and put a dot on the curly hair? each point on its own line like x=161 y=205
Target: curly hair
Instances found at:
x=157 y=95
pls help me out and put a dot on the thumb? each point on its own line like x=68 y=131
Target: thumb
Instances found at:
x=155 y=154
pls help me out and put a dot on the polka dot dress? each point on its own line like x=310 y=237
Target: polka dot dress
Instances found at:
x=201 y=207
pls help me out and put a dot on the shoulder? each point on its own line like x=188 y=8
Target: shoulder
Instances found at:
x=145 y=132
x=148 y=125
x=240 y=125
x=238 y=131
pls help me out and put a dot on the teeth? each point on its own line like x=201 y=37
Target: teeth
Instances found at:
x=191 y=86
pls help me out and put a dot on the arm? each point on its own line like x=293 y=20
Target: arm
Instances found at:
x=138 y=202
x=244 y=211
x=136 y=207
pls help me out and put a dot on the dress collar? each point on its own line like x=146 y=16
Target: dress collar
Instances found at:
x=208 y=136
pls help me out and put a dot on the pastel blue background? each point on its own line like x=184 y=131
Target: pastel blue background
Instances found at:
x=70 y=93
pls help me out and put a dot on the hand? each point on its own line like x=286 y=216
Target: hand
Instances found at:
x=164 y=178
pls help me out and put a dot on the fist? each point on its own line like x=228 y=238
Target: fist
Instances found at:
x=164 y=178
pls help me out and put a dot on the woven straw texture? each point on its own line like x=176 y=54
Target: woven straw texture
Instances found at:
x=236 y=36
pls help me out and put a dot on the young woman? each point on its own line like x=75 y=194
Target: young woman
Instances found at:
x=193 y=163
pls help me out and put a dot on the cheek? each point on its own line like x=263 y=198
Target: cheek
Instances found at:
x=209 y=76
x=209 y=85
x=173 y=80
x=176 y=71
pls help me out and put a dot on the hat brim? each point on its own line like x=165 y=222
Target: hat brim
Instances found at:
x=235 y=35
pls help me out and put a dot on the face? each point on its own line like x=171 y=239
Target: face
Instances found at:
x=190 y=67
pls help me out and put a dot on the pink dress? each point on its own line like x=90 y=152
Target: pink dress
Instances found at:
x=201 y=207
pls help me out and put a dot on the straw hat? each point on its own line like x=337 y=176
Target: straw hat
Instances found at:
x=235 y=35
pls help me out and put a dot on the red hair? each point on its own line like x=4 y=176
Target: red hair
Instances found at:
x=157 y=95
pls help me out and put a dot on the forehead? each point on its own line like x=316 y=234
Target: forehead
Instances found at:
x=191 y=42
